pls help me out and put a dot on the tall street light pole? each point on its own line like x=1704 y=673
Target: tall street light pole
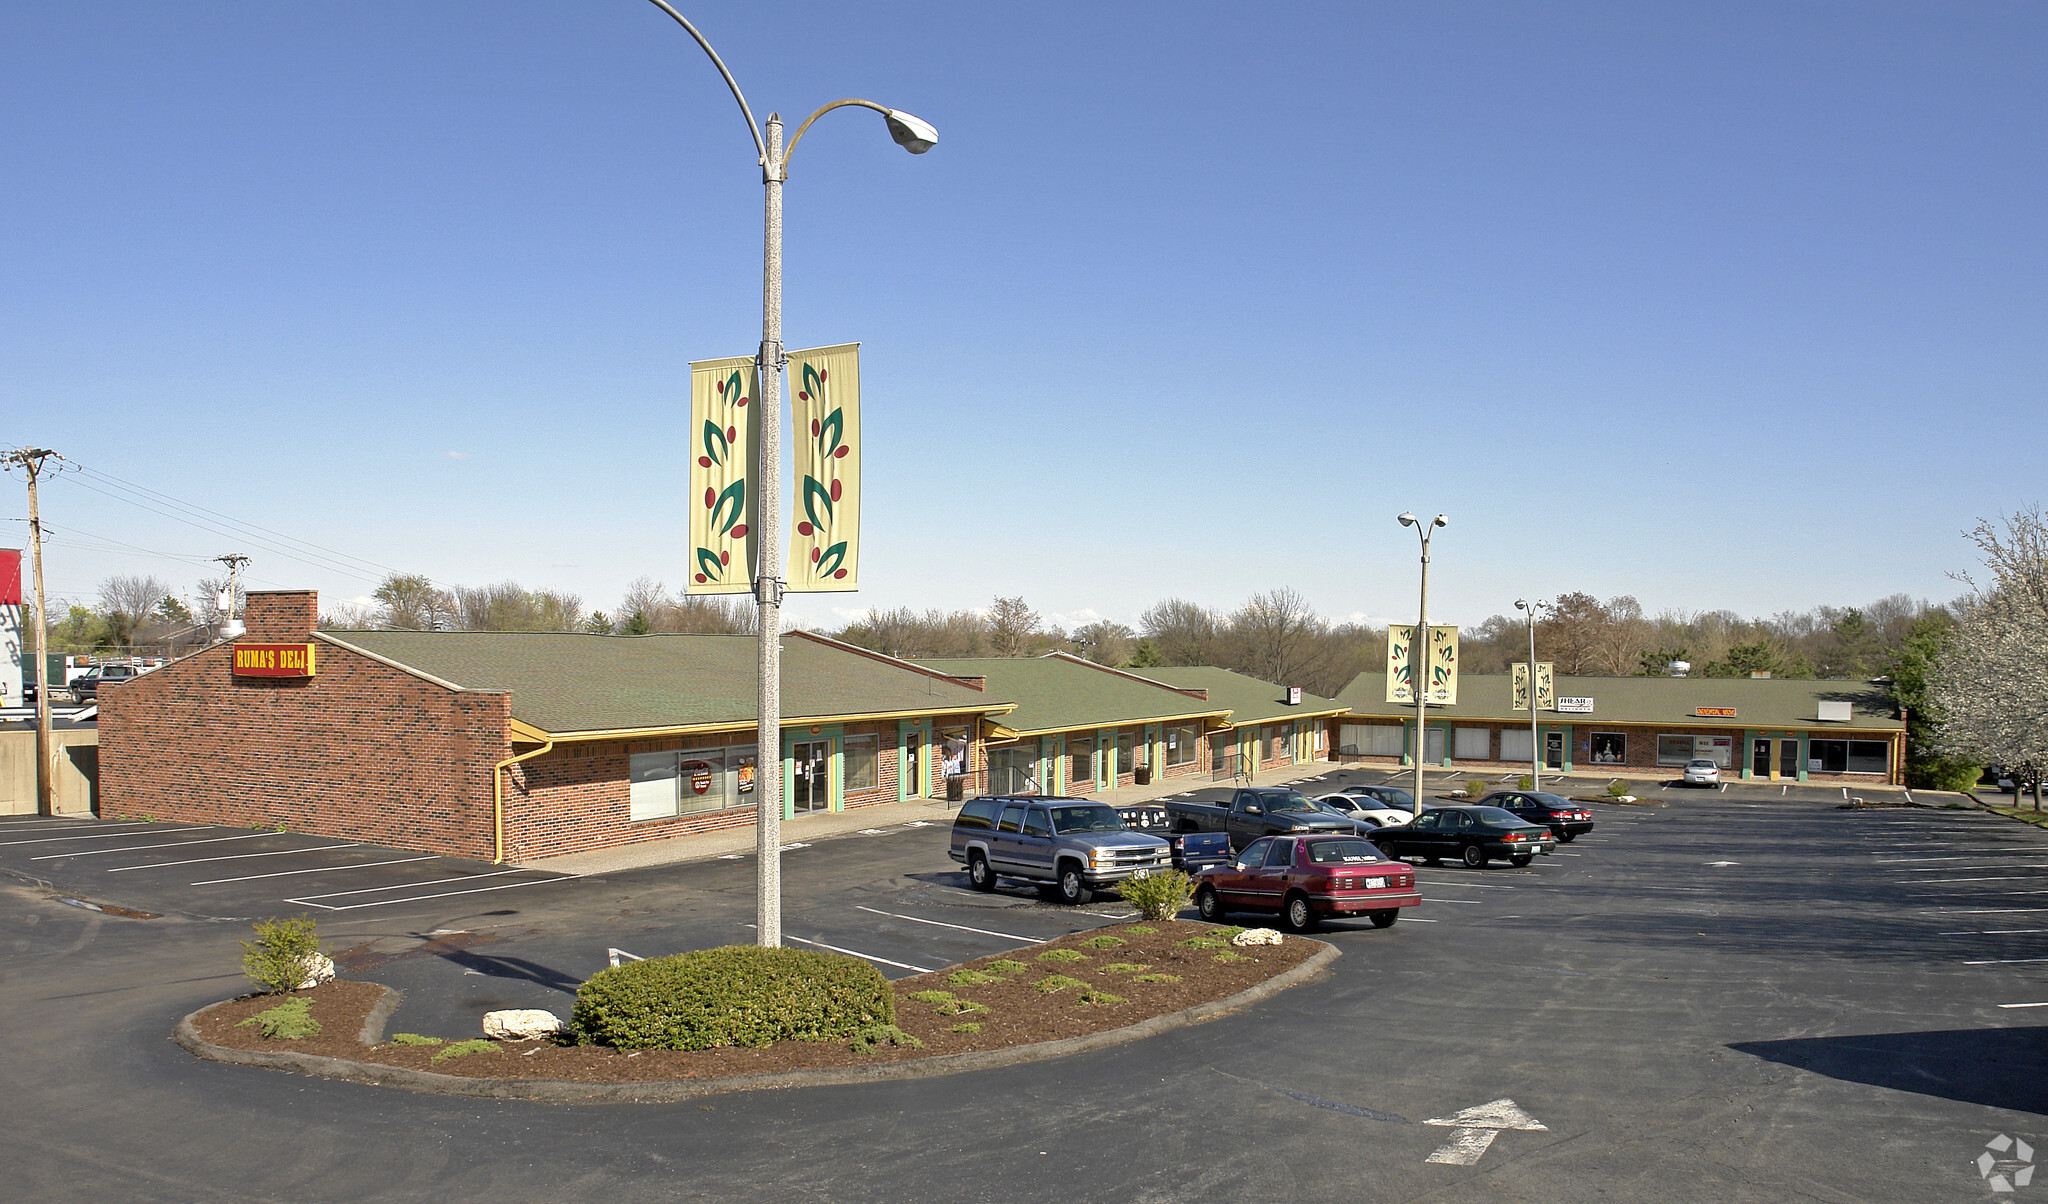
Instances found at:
x=917 y=137
x=1418 y=648
x=30 y=460
x=1535 y=754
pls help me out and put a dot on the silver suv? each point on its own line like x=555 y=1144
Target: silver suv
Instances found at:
x=1073 y=845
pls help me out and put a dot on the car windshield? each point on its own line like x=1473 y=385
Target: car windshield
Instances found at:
x=1699 y=765
x=1495 y=815
x=1285 y=801
x=1556 y=801
x=1342 y=852
x=1399 y=798
x=1086 y=817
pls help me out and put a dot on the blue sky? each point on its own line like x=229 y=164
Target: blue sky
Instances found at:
x=1718 y=305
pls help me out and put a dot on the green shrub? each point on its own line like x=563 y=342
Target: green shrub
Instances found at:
x=291 y=1020
x=1104 y=941
x=1617 y=788
x=1062 y=955
x=281 y=956
x=413 y=1039
x=739 y=995
x=1126 y=967
x=972 y=978
x=1100 y=998
x=875 y=1036
x=462 y=1049
x=948 y=1004
x=1159 y=895
x=1157 y=978
x=1054 y=983
x=1525 y=782
x=1226 y=931
x=1008 y=965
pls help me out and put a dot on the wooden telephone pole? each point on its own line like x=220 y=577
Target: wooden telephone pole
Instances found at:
x=30 y=459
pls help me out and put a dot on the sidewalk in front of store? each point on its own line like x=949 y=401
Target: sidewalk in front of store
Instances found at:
x=806 y=828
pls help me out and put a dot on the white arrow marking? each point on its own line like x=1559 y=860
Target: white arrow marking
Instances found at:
x=1477 y=1127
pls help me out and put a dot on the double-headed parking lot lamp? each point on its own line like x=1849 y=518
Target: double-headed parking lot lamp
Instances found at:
x=1418 y=648
x=917 y=137
x=1535 y=760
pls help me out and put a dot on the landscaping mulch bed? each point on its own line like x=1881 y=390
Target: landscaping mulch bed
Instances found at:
x=1120 y=976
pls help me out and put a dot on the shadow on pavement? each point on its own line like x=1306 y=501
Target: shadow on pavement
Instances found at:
x=1994 y=1067
x=513 y=967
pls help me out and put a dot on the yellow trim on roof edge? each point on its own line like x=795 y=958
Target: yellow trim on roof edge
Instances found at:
x=693 y=729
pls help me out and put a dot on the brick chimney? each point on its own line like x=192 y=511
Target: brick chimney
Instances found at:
x=284 y=615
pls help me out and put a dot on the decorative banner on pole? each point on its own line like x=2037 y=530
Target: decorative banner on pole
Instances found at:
x=824 y=387
x=725 y=448
x=1440 y=671
x=1546 y=686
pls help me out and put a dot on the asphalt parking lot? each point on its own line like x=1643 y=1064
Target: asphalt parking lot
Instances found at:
x=1740 y=995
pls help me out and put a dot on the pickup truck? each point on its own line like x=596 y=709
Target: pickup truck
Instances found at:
x=86 y=686
x=1193 y=852
x=1071 y=845
x=1258 y=811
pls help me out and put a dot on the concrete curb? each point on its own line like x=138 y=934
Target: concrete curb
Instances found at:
x=662 y=1091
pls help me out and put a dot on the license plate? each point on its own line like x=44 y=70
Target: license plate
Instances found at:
x=1375 y=883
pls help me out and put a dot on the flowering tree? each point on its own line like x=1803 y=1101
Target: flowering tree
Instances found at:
x=1990 y=681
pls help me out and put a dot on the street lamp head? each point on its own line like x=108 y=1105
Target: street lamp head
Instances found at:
x=911 y=133
x=1440 y=521
x=1406 y=518
x=1521 y=604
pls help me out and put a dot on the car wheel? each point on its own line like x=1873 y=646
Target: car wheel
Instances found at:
x=1567 y=837
x=1296 y=915
x=1069 y=887
x=1473 y=856
x=1385 y=919
x=978 y=874
x=1208 y=904
x=1521 y=859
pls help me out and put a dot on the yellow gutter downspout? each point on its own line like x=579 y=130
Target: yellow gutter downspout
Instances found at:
x=498 y=797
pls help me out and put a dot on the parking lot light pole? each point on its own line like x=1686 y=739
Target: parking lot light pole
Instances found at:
x=1535 y=760
x=1418 y=648
x=917 y=137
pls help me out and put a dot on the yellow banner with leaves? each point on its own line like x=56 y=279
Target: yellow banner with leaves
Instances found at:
x=725 y=451
x=1546 y=686
x=1439 y=663
x=824 y=398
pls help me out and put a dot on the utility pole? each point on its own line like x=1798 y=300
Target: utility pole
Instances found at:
x=234 y=561
x=30 y=460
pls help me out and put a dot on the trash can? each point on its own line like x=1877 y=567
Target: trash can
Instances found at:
x=1142 y=775
x=956 y=789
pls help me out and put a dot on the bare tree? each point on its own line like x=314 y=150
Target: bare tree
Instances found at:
x=1182 y=632
x=1104 y=642
x=411 y=602
x=1274 y=633
x=1012 y=627
x=126 y=602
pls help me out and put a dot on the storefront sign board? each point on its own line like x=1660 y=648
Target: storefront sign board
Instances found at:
x=274 y=660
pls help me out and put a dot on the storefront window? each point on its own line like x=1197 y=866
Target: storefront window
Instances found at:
x=1517 y=744
x=653 y=789
x=1180 y=746
x=1126 y=753
x=861 y=761
x=1473 y=744
x=1081 y=761
x=1220 y=748
x=953 y=751
x=1674 y=750
x=1608 y=748
x=666 y=784
x=1013 y=770
x=1848 y=756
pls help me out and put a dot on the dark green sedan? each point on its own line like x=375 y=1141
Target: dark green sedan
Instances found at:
x=1473 y=835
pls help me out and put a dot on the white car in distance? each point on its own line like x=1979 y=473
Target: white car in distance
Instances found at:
x=1367 y=810
x=1701 y=772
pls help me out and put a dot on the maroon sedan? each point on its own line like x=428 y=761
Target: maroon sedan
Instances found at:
x=1308 y=878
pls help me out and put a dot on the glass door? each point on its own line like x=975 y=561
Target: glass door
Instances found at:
x=1760 y=757
x=1553 y=750
x=913 y=765
x=810 y=776
x=1788 y=758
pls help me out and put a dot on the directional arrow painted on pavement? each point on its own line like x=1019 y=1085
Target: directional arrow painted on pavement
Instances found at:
x=1477 y=1127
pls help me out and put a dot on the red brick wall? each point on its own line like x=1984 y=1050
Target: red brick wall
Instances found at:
x=361 y=751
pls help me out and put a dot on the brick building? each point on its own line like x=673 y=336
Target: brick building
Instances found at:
x=1772 y=729
x=1268 y=726
x=515 y=745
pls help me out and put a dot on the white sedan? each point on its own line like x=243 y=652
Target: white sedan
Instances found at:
x=1368 y=811
x=1701 y=772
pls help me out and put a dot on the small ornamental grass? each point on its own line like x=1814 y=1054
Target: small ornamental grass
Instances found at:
x=1007 y=965
x=882 y=1036
x=290 y=1020
x=1104 y=941
x=969 y=1027
x=1230 y=956
x=1159 y=895
x=1062 y=955
x=1203 y=942
x=971 y=978
x=1100 y=998
x=413 y=1039
x=737 y=995
x=1052 y=984
x=1146 y=929
x=946 y=1003
x=1126 y=967
x=281 y=956
x=462 y=1049
x=1157 y=978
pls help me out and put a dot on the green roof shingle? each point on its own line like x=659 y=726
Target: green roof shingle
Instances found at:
x=1062 y=693
x=1250 y=700
x=564 y=683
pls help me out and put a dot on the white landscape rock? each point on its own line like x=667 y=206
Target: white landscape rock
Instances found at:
x=1256 y=936
x=521 y=1024
x=318 y=968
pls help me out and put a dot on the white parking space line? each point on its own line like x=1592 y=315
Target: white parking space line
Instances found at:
x=1983 y=911
x=1950 y=869
x=1466 y=885
x=371 y=890
x=2023 y=1005
x=1956 y=857
x=325 y=869
x=1991 y=931
x=44 y=826
x=138 y=848
x=108 y=835
x=164 y=865
x=1468 y=902
x=2006 y=961
x=866 y=957
x=1991 y=878
x=1008 y=936
x=423 y=898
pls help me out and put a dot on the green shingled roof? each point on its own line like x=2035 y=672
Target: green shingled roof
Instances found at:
x=1249 y=699
x=1063 y=693
x=563 y=683
x=1776 y=702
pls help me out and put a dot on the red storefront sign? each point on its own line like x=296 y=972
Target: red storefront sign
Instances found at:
x=273 y=660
